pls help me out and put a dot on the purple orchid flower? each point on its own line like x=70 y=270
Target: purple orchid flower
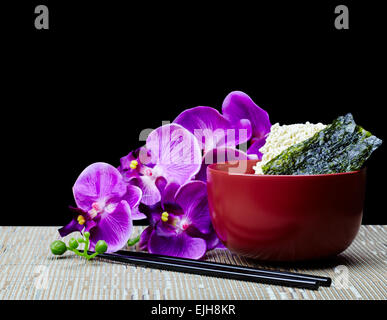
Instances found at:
x=238 y=105
x=171 y=152
x=180 y=223
x=218 y=134
x=105 y=204
x=212 y=129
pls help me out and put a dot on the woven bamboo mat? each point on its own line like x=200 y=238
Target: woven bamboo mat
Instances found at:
x=29 y=271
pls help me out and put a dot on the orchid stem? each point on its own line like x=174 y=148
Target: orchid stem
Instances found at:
x=76 y=252
x=59 y=247
x=84 y=253
x=92 y=256
x=86 y=245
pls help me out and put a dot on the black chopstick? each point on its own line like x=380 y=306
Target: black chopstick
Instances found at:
x=208 y=270
x=321 y=281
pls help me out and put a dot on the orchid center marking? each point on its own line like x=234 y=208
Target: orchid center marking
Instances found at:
x=164 y=216
x=148 y=172
x=99 y=207
x=133 y=164
x=96 y=206
x=175 y=221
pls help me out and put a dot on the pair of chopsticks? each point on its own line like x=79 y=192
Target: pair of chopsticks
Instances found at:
x=220 y=270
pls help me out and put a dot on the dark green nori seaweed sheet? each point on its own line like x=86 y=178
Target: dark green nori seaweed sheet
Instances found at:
x=341 y=147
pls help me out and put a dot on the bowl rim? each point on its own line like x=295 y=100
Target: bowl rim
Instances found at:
x=211 y=168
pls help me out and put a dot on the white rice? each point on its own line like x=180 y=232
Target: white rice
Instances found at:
x=282 y=137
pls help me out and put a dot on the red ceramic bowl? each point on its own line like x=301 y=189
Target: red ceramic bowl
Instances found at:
x=284 y=218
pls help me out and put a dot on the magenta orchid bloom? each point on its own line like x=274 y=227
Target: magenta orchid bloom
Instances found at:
x=171 y=152
x=180 y=223
x=165 y=181
x=238 y=105
x=218 y=134
x=105 y=205
x=212 y=129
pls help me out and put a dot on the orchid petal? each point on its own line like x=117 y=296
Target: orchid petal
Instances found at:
x=177 y=245
x=169 y=193
x=129 y=173
x=255 y=146
x=161 y=183
x=133 y=196
x=244 y=127
x=114 y=228
x=72 y=226
x=150 y=193
x=212 y=129
x=89 y=225
x=168 y=201
x=206 y=124
x=220 y=245
x=213 y=241
x=144 y=238
x=152 y=212
x=99 y=181
x=175 y=151
x=127 y=160
x=238 y=105
x=192 y=198
x=253 y=156
x=219 y=155
x=137 y=214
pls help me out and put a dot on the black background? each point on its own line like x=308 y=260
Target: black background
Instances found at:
x=82 y=91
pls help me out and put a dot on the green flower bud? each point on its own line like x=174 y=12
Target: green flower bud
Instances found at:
x=87 y=235
x=58 y=247
x=101 y=246
x=73 y=244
